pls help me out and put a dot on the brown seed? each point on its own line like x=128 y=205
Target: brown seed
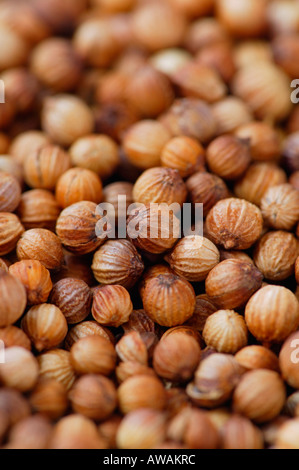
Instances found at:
x=193 y=79
x=21 y=87
x=14 y=336
x=249 y=52
x=214 y=380
x=43 y=167
x=232 y=282
x=203 y=32
x=98 y=153
x=249 y=21
x=38 y=208
x=149 y=104
x=76 y=432
x=257 y=357
x=176 y=357
x=93 y=355
x=190 y=117
x=128 y=369
x=283 y=17
x=33 y=432
x=49 y=398
x=56 y=64
x=218 y=56
x=78 y=184
x=141 y=429
x=260 y=395
x=193 y=257
x=131 y=394
x=42 y=245
x=10 y=165
x=263 y=140
x=230 y=113
x=265 y=88
x=207 y=189
x=143 y=143
x=149 y=17
x=27 y=143
x=93 y=396
x=16 y=49
x=234 y=224
x=232 y=254
x=257 y=180
x=13 y=406
x=183 y=329
x=13 y=299
x=79 y=238
x=150 y=273
x=117 y=262
x=228 y=157
x=287 y=435
x=10 y=192
x=275 y=255
x=20 y=369
x=35 y=278
x=280 y=207
x=140 y=322
x=86 y=328
x=160 y=185
x=272 y=314
x=56 y=364
x=95 y=42
x=194 y=428
x=225 y=331
x=239 y=433
x=111 y=305
x=11 y=230
x=66 y=118
x=45 y=325
x=168 y=300
x=153 y=228
x=132 y=348
x=183 y=154
x=73 y=297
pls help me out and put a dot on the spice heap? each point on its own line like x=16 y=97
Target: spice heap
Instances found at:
x=185 y=341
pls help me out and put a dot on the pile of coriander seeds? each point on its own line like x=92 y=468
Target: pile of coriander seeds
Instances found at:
x=113 y=335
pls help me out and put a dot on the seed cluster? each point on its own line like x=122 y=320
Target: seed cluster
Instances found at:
x=184 y=341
